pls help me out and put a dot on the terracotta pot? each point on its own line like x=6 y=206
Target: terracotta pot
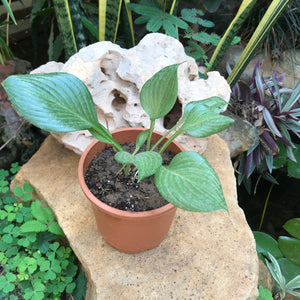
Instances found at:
x=129 y=232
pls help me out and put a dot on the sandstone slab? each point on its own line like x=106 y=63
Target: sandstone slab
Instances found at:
x=205 y=255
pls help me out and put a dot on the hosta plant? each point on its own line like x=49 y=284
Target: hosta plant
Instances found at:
x=271 y=109
x=60 y=102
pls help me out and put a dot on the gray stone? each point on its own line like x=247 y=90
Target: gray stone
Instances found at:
x=240 y=136
x=205 y=255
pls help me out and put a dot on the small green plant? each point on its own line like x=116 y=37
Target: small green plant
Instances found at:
x=61 y=102
x=33 y=263
x=282 y=286
x=281 y=258
x=264 y=294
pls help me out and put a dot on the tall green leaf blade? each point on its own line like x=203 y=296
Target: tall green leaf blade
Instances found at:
x=190 y=183
x=63 y=16
x=7 y=7
x=231 y=31
x=293 y=98
x=274 y=11
x=58 y=102
x=130 y=21
x=159 y=93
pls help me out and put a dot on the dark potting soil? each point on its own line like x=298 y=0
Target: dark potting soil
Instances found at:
x=122 y=192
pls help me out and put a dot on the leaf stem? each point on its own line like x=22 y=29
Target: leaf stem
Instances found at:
x=265 y=207
x=169 y=141
x=109 y=139
x=150 y=134
x=166 y=134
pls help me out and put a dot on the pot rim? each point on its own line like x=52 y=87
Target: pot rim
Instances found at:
x=112 y=210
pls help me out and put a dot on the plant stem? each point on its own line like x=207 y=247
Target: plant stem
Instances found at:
x=169 y=141
x=265 y=207
x=150 y=134
x=166 y=134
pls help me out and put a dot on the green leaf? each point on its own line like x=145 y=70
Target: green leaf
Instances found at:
x=26 y=197
x=64 y=21
x=147 y=162
x=290 y=248
x=70 y=287
x=293 y=227
x=58 y=102
x=264 y=294
x=54 y=246
x=190 y=183
x=56 y=229
x=294 y=167
x=211 y=5
x=154 y=23
x=55 y=266
x=159 y=93
x=288 y=269
x=281 y=158
x=124 y=157
x=33 y=226
x=50 y=275
x=275 y=270
x=191 y=14
x=91 y=27
x=43 y=214
x=265 y=243
x=199 y=121
x=18 y=191
x=28 y=188
x=45 y=266
x=10 y=277
x=8 y=9
x=142 y=138
x=206 y=38
x=293 y=284
x=3 y=214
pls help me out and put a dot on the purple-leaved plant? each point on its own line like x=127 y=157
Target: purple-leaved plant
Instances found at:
x=274 y=116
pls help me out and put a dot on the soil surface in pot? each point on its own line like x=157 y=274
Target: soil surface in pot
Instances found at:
x=123 y=192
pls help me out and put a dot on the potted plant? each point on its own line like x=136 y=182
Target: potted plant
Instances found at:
x=60 y=102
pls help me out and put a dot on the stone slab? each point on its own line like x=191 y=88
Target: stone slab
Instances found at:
x=205 y=255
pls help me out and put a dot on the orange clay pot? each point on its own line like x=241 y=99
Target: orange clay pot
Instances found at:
x=129 y=232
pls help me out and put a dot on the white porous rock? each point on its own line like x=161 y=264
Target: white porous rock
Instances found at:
x=115 y=77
